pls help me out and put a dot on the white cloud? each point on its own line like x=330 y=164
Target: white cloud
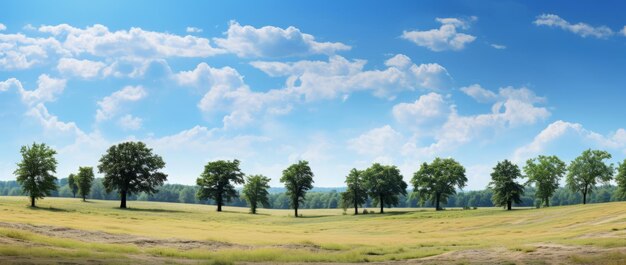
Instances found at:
x=270 y=41
x=82 y=68
x=339 y=76
x=47 y=89
x=227 y=92
x=559 y=129
x=129 y=122
x=2 y=27
x=193 y=30
x=426 y=107
x=623 y=31
x=376 y=142
x=512 y=108
x=97 y=40
x=498 y=46
x=109 y=106
x=582 y=29
x=18 y=52
x=479 y=94
x=444 y=38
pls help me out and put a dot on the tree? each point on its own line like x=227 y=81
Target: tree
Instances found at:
x=505 y=190
x=544 y=173
x=298 y=179
x=437 y=181
x=217 y=179
x=71 y=182
x=384 y=184
x=355 y=194
x=621 y=180
x=255 y=191
x=34 y=172
x=130 y=168
x=187 y=195
x=587 y=170
x=83 y=180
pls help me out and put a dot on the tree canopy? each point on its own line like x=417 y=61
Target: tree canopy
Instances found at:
x=298 y=179
x=620 y=179
x=217 y=181
x=356 y=193
x=83 y=180
x=505 y=190
x=544 y=173
x=436 y=181
x=71 y=183
x=587 y=170
x=255 y=192
x=130 y=168
x=384 y=183
x=35 y=171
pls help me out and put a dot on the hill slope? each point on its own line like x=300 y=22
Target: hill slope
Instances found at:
x=68 y=230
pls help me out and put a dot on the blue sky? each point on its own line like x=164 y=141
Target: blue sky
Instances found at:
x=342 y=85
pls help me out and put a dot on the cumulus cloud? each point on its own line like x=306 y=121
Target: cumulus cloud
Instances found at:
x=109 y=106
x=2 y=27
x=270 y=41
x=47 y=90
x=98 y=40
x=479 y=94
x=377 y=141
x=559 y=129
x=339 y=76
x=193 y=30
x=130 y=122
x=444 y=38
x=582 y=29
x=226 y=91
x=426 y=107
x=18 y=52
x=81 y=68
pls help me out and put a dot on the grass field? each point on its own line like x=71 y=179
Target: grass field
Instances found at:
x=70 y=231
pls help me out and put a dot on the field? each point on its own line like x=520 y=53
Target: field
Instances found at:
x=66 y=231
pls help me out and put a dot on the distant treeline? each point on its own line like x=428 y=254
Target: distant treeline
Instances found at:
x=320 y=198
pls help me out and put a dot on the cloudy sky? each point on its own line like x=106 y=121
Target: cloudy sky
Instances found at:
x=341 y=85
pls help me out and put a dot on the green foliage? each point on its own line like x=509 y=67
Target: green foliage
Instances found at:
x=255 y=191
x=544 y=173
x=83 y=180
x=437 y=181
x=587 y=170
x=130 y=168
x=620 y=179
x=356 y=193
x=71 y=183
x=187 y=195
x=505 y=190
x=217 y=179
x=298 y=179
x=384 y=184
x=34 y=172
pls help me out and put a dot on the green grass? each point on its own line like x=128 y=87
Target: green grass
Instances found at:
x=322 y=236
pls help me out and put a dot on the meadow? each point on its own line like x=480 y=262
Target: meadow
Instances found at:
x=65 y=230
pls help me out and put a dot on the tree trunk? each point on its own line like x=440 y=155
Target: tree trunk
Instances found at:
x=437 y=202
x=123 y=199
x=585 y=195
x=32 y=201
x=508 y=205
x=84 y=198
x=219 y=202
x=356 y=205
x=382 y=204
x=296 y=210
x=547 y=201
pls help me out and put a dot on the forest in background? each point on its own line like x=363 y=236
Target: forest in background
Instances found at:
x=321 y=198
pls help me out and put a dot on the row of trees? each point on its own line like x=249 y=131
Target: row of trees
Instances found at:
x=131 y=168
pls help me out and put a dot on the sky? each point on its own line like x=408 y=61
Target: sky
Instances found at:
x=341 y=84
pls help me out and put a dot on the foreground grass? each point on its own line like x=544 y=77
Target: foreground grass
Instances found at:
x=321 y=236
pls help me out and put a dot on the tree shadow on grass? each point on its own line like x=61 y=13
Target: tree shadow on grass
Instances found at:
x=49 y=209
x=149 y=210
